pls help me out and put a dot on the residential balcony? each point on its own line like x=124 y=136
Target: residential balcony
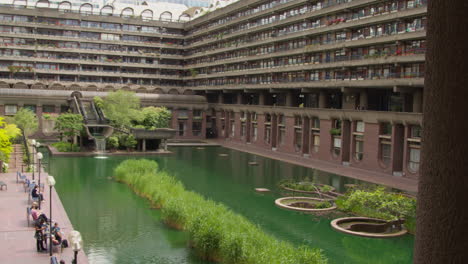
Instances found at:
x=97 y=41
x=332 y=45
x=326 y=113
x=323 y=28
x=375 y=81
x=100 y=73
x=349 y=61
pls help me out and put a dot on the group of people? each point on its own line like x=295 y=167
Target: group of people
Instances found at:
x=41 y=226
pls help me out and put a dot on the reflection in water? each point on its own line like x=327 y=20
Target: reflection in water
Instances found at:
x=119 y=227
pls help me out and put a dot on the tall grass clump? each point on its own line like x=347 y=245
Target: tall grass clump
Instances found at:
x=378 y=203
x=216 y=232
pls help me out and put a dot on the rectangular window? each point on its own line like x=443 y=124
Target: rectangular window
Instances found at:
x=316 y=143
x=316 y=123
x=298 y=139
x=385 y=129
x=30 y=107
x=414 y=158
x=416 y=131
x=233 y=128
x=267 y=137
x=385 y=152
x=254 y=132
x=11 y=109
x=196 y=128
x=359 y=148
x=360 y=126
x=336 y=146
x=48 y=108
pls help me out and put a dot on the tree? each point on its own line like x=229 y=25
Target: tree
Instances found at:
x=69 y=125
x=26 y=120
x=155 y=117
x=121 y=108
x=7 y=133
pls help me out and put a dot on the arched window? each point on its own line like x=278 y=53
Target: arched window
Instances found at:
x=64 y=6
x=184 y=18
x=127 y=12
x=20 y=3
x=86 y=9
x=166 y=16
x=147 y=14
x=107 y=10
x=42 y=4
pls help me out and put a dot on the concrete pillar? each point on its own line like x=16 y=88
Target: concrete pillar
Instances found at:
x=442 y=214
x=345 y=140
x=220 y=98
x=274 y=130
x=143 y=145
x=322 y=100
x=363 y=103
x=261 y=98
x=289 y=99
x=239 y=98
x=417 y=101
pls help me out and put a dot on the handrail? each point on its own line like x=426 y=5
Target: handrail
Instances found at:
x=26 y=148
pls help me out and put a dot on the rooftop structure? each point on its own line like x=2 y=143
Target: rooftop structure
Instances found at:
x=338 y=81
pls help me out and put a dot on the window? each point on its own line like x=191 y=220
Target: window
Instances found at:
x=242 y=132
x=358 y=147
x=196 y=128
x=385 y=152
x=385 y=129
x=197 y=114
x=11 y=109
x=414 y=158
x=360 y=126
x=336 y=146
x=254 y=132
x=267 y=134
x=415 y=132
x=181 y=128
x=48 y=108
x=315 y=123
x=233 y=128
x=281 y=135
x=30 y=107
x=298 y=139
x=316 y=143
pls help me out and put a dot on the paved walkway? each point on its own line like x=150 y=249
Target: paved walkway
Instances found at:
x=17 y=243
x=401 y=183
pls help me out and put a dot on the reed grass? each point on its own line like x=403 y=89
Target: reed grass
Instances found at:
x=216 y=232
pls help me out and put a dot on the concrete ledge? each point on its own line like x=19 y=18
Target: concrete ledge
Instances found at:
x=335 y=224
x=53 y=151
x=304 y=210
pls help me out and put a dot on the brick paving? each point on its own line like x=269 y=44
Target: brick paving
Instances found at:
x=402 y=183
x=17 y=243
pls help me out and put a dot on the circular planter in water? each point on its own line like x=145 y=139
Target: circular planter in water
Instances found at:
x=369 y=227
x=304 y=204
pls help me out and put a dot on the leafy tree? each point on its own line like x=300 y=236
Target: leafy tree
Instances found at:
x=7 y=133
x=155 y=117
x=98 y=102
x=69 y=125
x=121 y=108
x=112 y=142
x=127 y=141
x=26 y=120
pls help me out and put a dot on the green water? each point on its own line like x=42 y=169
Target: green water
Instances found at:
x=118 y=226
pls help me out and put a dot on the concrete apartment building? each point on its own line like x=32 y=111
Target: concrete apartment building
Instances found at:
x=334 y=80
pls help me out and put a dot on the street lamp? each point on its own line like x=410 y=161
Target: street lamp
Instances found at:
x=51 y=182
x=33 y=143
x=76 y=243
x=39 y=158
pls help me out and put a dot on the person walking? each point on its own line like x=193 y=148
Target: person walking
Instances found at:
x=39 y=235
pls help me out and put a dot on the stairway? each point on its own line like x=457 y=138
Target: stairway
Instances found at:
x=16 y=158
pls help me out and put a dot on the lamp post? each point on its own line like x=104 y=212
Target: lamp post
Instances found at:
x=51 y=182
x=76 y=244
x=39 y=158
x=33 y=143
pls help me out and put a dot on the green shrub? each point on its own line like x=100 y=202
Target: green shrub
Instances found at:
x=112 y=142
x=66 y=147
x=379 y=204
x=322 y=205
x=215 y=231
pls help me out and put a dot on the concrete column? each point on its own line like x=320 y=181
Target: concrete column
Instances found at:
x=143 y=145
x=220 y=98
x=345 y=140
x=442 y=212
x=322 y=100
x=274 y=130
x=289 y=99
x=239 y=98
x=57 y=109
x=417 y=101
x=363 y=103
x=305 y=135
x=261 y=98
x=398 y=145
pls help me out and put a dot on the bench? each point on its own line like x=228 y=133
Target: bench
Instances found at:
x=20 y=178
x=2 y=184
x=376 y=227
